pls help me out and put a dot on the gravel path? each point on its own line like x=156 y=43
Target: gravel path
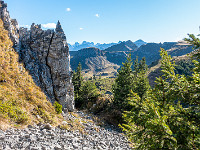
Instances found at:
x=46 y=137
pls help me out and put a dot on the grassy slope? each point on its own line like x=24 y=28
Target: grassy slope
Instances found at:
x=104 y=85
x=21 y=101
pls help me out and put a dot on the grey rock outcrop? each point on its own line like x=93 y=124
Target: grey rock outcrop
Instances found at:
x=45 y=55
x=11 y=25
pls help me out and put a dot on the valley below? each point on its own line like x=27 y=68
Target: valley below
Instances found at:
x=107 y=62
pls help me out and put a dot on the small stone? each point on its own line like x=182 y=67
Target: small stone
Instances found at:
x=64 y=122
x=38 y=116
x=48 y=127
x=75 y=145
x=65 y=110
x=58 y=147
x=44 y=148
x=30 y=126
x=27 y=136
x=2 y=137
x=39 y=124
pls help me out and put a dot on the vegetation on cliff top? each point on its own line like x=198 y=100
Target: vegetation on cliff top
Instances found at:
x=21 y=101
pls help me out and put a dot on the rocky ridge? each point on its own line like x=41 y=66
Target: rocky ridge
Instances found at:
x=45 y=55
x=123 y=46
x=46 y=137
x=77 y=46
x=139 y=43
x=11 y=25
x=151 y=51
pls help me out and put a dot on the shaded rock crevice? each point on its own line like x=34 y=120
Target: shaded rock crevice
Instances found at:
x=50 y=66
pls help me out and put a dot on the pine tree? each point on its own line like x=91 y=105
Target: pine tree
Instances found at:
x=196 y=54
x=94 y=77
x=130 y=81
x=89 y=93
x=77 y=79
x=123 y=85
x=136 y=67
x=168 y=117
x=100 y=77
x=143 y=66
x=140 y=80
x=85 y=92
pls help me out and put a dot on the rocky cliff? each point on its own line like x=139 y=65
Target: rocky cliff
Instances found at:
x=11 y=25
x=45 y=55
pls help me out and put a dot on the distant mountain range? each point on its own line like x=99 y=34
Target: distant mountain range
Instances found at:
x=106 y=62
x=123 y=46
x=77 y=46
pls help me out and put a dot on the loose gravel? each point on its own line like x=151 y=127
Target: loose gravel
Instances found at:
x=46 y=137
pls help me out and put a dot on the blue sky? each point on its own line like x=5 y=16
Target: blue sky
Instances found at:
x=106 y=21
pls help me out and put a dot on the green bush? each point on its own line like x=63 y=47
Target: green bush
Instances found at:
x=88 y=94
x=16 y=114
x=58 y=107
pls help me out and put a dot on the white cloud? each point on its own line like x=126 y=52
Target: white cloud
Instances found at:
x=97 y=15
x=81 y=28
x=26 y=26
x=68 y=9
x=49 y=26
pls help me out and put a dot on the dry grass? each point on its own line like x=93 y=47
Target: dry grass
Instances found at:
x=75 y=124
x=21 y=101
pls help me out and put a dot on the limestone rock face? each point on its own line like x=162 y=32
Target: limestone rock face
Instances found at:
x=45 y=55
x=10 y=25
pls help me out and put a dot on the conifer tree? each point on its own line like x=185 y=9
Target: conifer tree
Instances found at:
x=140 y=80
x=94 y=77
x=129 y=80
x=196 y=54
x=89 y=93
x=84 y=91
x=123 y=85
x=142 y=65
x=136 y=66
x=168 y=117
x=77 y=79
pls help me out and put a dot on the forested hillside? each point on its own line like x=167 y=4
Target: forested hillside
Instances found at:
x=166 y=116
